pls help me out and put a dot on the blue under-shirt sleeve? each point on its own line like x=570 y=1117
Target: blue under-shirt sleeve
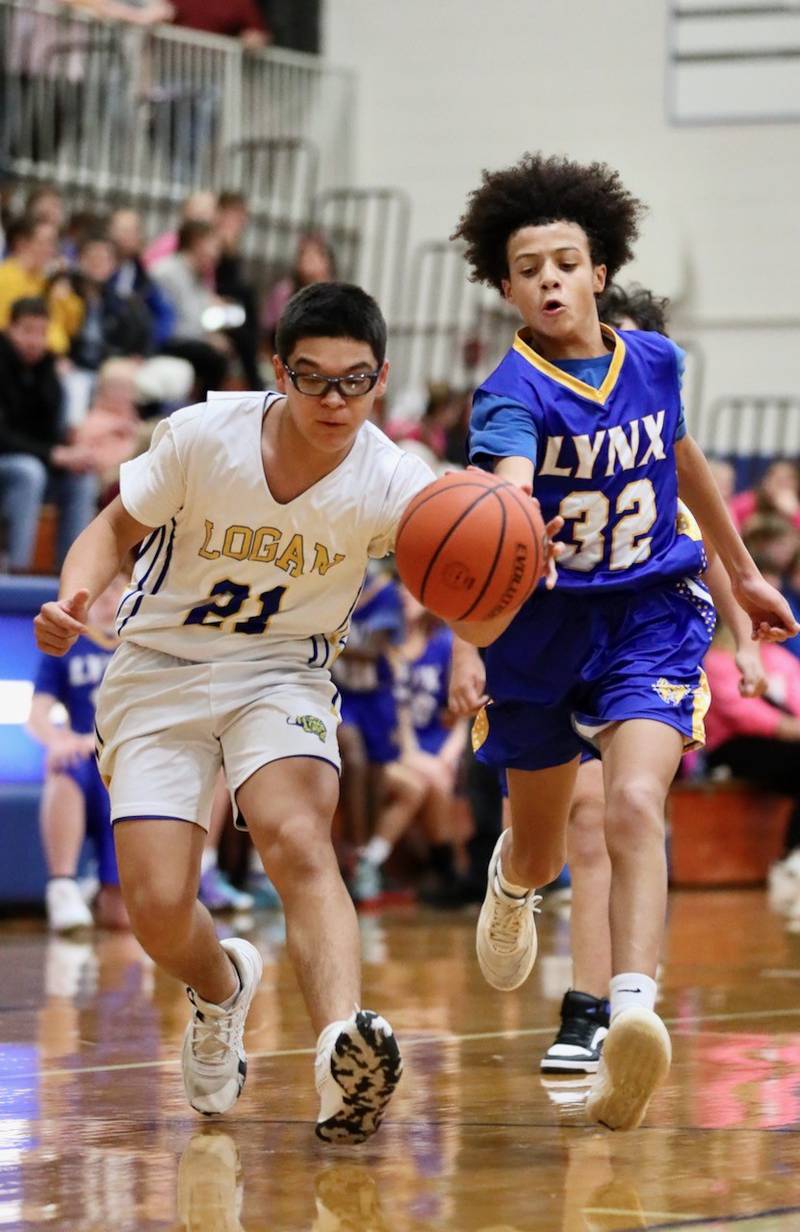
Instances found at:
x=50 y=677
x=500 y=428
x=680 y=360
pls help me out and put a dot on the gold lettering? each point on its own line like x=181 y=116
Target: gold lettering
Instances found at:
x=228 y=546
x=322 y=560
x=204 y=552
x=265 y=545
x=292 y=560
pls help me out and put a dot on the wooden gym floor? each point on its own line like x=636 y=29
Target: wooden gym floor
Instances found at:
x=95 y=1134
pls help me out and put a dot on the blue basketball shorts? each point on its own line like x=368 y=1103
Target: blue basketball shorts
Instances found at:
x=375 y=715
x=570 y=666
x=98 y=818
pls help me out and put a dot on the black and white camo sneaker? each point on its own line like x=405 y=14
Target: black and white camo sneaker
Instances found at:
x=357 y=1067
x=577 y=1047
x=214 y=1060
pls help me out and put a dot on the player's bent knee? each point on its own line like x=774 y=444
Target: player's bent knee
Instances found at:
x=587 y=834
x=297 y=852
x=158 y=910
x=635 y=814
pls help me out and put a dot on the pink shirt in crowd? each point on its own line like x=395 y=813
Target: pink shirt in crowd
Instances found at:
x=732 y=715
x=742 y=506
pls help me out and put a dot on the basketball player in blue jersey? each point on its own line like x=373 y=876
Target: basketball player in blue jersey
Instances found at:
x=74 y=800
x=611 y=656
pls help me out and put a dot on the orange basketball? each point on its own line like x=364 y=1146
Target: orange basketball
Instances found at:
x=470 y=546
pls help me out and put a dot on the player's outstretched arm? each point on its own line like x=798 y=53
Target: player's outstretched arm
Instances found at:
x=752 y=677
x=770 y=615
x=91 y=564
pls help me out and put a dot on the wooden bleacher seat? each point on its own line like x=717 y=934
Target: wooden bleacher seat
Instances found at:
x=724 y=833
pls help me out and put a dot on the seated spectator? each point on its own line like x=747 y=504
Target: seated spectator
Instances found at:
x=198 y=207
x=113 y=431
x=44 y=203
x=241 y=19
x=74 y=799
x=777 y=492
x=314 y=262
x=111 y=324
x=131 y=277
x=428 y=436
x=184 y=278
x=364 y=677
x=24 y=275
x=757 y=738
x=233 y=285
x=35 y=460
x=724 y=476
x=421 y=783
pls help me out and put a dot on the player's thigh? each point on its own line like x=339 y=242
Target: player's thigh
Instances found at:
x=293 y=793
x=539 y=801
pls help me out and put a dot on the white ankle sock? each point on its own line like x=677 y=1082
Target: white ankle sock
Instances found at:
x=508 y=887
x=377 y=850
x=631 y=988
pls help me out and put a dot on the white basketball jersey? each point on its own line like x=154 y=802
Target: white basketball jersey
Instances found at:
x=229 y=572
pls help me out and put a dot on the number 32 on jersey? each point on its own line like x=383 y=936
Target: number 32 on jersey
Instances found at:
x=590 y=515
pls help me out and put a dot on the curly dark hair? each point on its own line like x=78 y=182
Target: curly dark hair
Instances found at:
x=540 y=190
x=646 y=310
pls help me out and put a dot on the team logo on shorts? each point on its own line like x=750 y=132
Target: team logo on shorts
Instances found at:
x=671 y=694
x=311 y=724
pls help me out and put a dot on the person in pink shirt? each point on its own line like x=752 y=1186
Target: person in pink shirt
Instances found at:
x=778 y=492
x=198 y=207
x=757 y=738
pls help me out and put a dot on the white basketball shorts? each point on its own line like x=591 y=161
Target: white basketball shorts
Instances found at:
x=165 y=726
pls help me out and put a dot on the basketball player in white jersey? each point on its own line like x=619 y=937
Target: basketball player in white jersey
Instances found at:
x=255 y=515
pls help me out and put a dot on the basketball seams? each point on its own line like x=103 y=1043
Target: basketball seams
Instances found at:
x=515 y=492
x=490 y=575
x=420 y=504
x=451 y=531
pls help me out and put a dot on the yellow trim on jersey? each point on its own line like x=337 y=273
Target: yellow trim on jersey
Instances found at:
x=702 y=701
x=686 y=523
x=600 y=395
x=480 y=729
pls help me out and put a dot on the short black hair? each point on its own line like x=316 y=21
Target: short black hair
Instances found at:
x=28 y=306
x=540 y=190
x=331 y=310
x=646 y=310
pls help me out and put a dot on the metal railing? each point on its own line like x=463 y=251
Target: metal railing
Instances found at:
x=127 y=113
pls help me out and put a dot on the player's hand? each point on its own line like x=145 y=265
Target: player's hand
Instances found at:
x=467 y=691
x=752 y=677
x=770 y=614
x=552 y=550
x=68 y=750
x=60 y=623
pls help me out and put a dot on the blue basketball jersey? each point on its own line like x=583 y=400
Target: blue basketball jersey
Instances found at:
x=426 y=684
x=603 y=458
x=379 y=610
x=75 y=678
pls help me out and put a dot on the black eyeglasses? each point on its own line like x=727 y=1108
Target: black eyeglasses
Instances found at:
x=315 y=385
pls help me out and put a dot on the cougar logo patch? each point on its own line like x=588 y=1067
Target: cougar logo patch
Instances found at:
x=311 y=724
x=671 y=694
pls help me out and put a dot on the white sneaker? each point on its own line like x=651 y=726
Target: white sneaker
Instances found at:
x=506 y=937
x=214 y=1060
x=636 y=1057
x=357 y=1068
x=66 y=908
x=210 y=1184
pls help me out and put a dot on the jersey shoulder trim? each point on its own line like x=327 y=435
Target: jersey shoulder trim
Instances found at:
x=572 y=383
